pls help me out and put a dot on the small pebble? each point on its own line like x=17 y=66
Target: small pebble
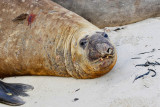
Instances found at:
x=75 y=99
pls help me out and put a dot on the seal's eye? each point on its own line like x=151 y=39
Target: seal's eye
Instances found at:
x=83 y=43
x=105 y=35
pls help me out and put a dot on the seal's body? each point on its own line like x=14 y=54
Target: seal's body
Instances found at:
x=39 y=37
x=104 y=13
x=42 y=38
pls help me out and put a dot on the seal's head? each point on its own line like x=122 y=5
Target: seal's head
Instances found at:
x=93 y=55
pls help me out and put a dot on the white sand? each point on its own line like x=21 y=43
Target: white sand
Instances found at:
x=115 y=89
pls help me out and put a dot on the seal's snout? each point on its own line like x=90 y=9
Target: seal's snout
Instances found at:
x=100 y=47
x=104 y=49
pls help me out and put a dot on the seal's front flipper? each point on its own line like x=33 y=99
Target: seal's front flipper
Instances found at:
x=9 y=93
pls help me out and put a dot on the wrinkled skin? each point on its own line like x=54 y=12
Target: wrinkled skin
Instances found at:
x=57 y=42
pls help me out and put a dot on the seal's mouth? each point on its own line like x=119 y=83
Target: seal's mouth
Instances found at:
x=106 y=57
x=103 y=58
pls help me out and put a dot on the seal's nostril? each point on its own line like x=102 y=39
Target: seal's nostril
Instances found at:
x=109 y=51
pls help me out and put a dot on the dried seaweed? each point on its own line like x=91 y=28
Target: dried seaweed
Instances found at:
x=147 y=52
x=149 y=64
x=117 y=29
x=141 y=76
x=77 y=89
x=153 y=72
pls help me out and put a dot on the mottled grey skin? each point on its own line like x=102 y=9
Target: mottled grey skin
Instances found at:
x=104 y=13
x=99 y=46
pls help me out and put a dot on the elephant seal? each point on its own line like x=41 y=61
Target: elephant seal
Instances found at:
x=105 y=13
x=39 y=37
